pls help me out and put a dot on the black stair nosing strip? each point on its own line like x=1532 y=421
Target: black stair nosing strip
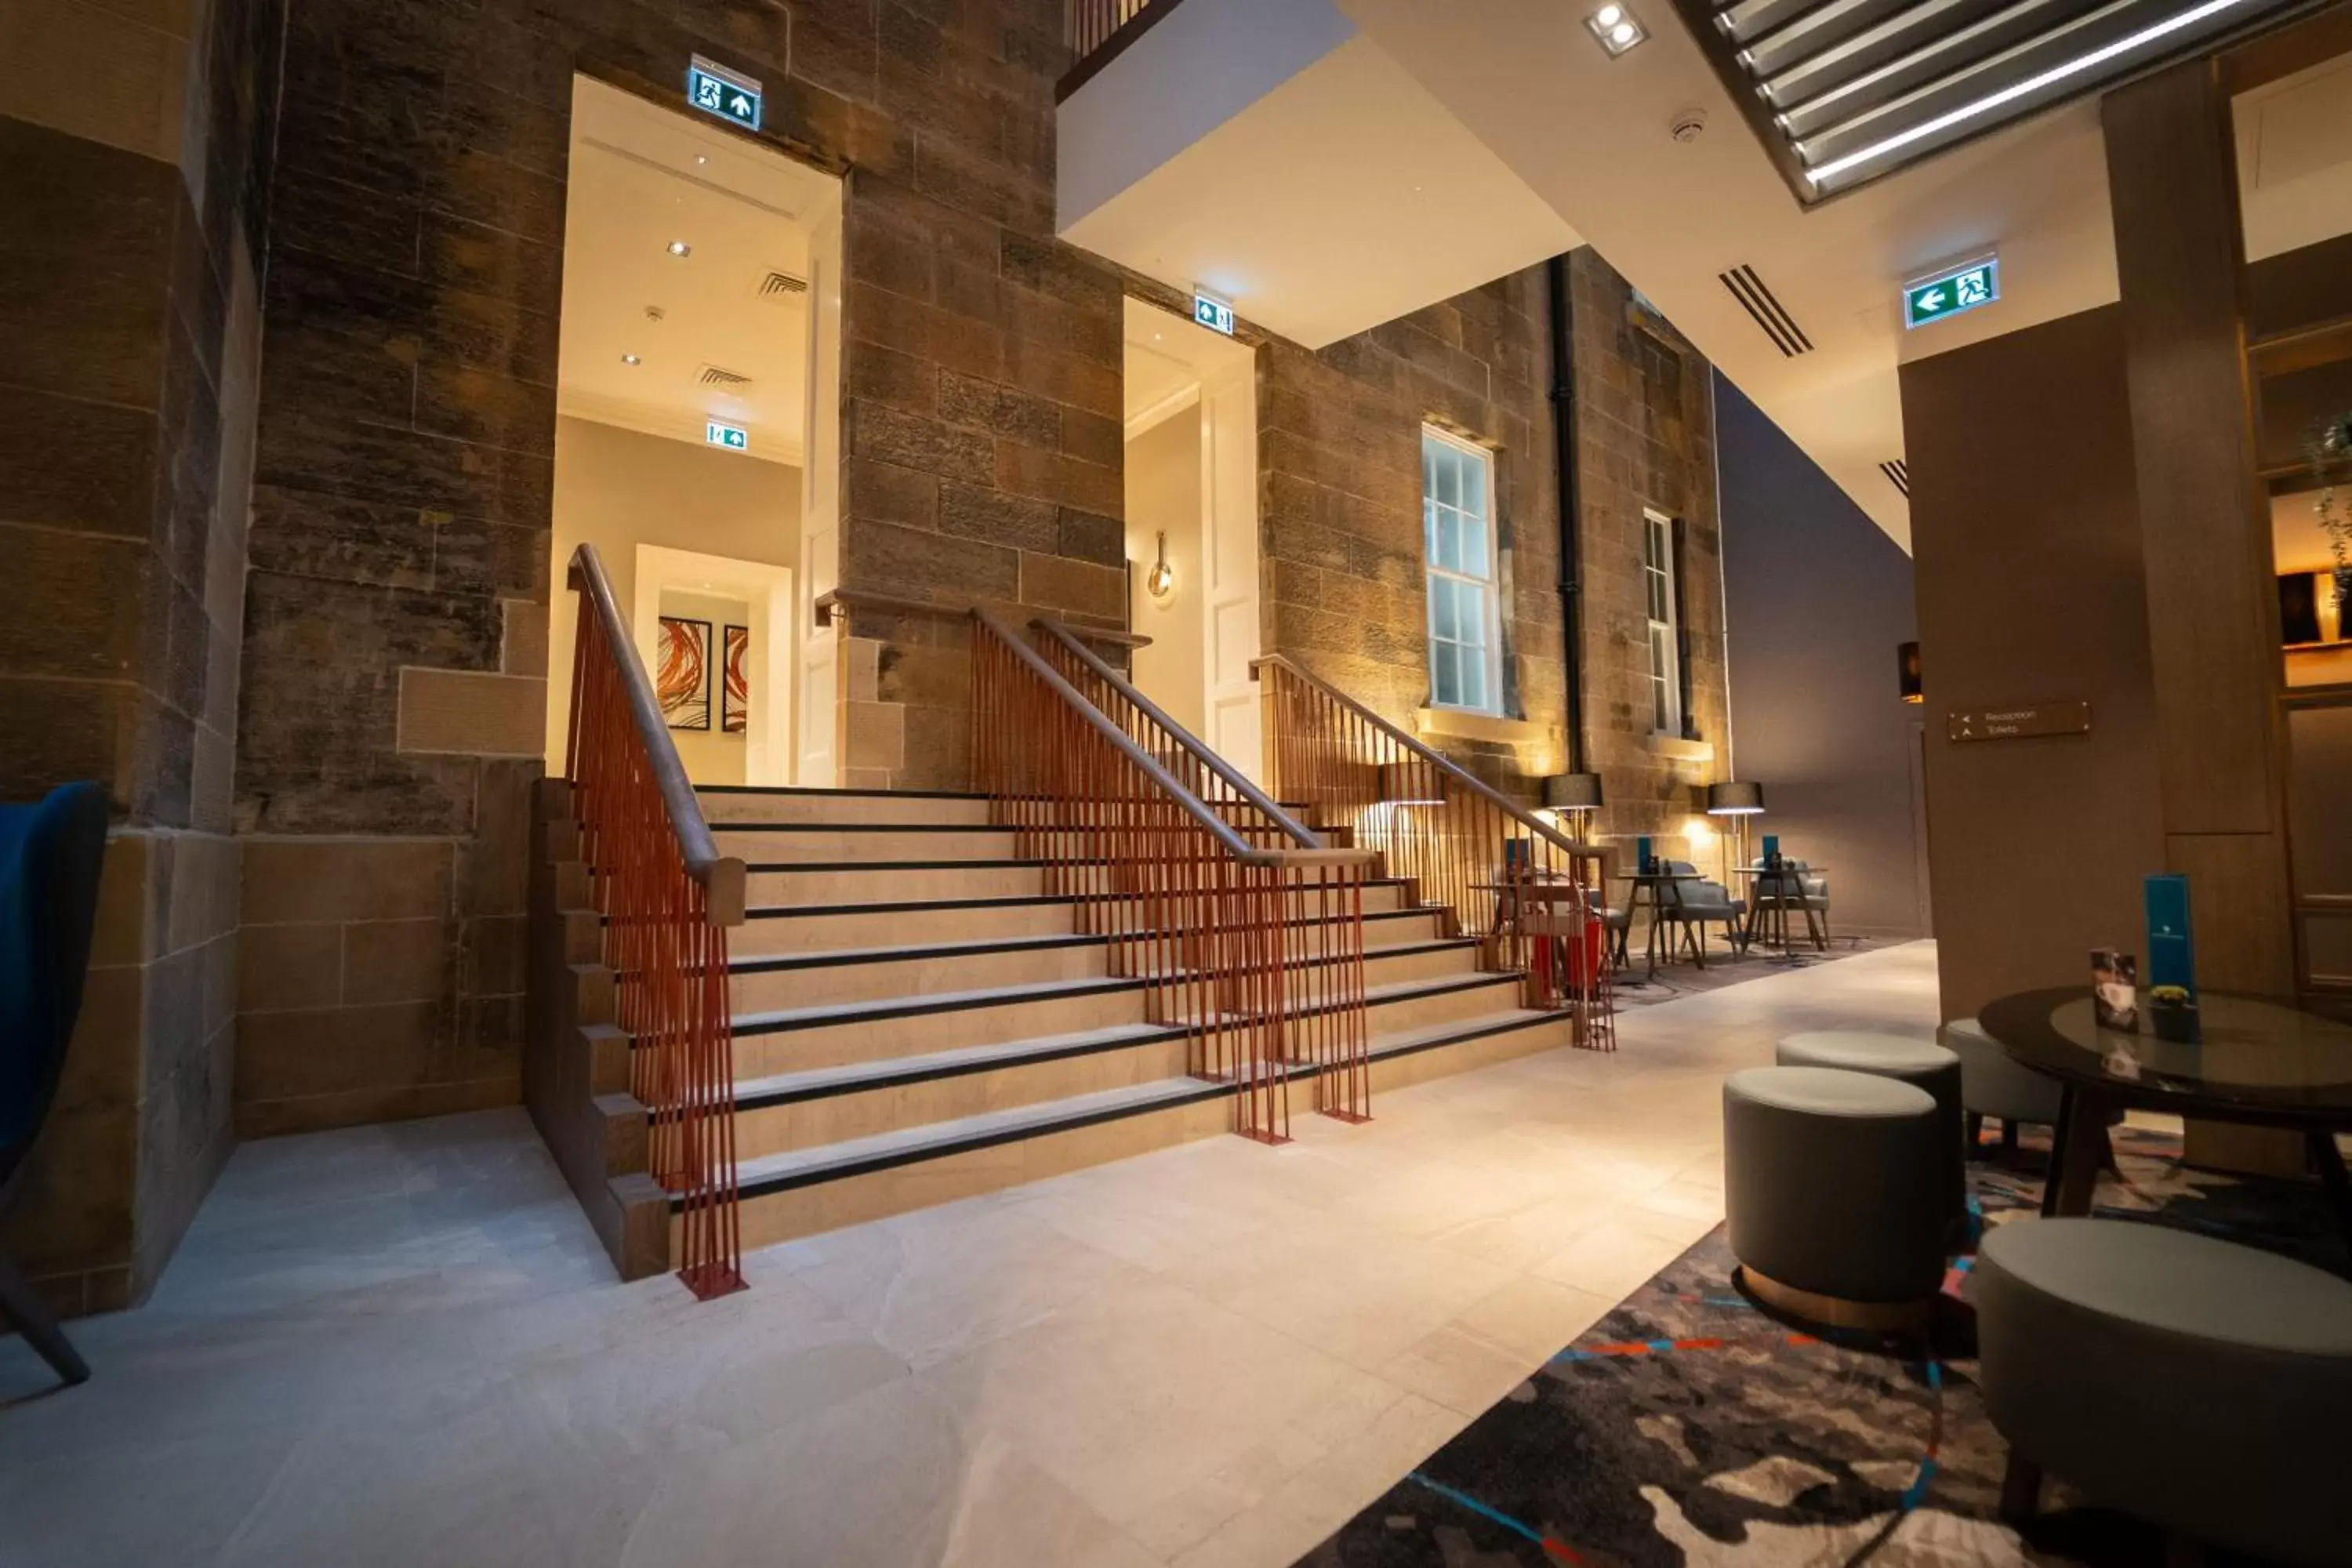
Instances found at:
x=920 y=1006
x=768 y=867
x=1153 y=1035
x=803 y=792
x=825 y=958
x=857 y=827
x=915 y=1154
x=904 y=906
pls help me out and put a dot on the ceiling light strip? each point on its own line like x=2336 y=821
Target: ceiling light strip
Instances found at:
x=2008 y=95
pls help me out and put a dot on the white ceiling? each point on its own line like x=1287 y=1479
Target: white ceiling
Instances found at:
x=1591 y=136
x=643 y=176
x=1360 y=197
x=1168 y=358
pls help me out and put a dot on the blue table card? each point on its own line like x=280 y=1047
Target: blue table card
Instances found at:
x=2171 y=951
x=1641 y=857
x=1772 y=851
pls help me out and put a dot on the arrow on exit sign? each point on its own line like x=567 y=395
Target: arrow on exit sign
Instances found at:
x=1951 y=292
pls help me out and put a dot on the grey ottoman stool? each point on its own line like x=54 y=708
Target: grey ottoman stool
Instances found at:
x=1917 y=1062
x=2196 y=1383
x=1833 y=1192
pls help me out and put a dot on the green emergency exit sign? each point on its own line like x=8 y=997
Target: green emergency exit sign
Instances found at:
x=1951 y=292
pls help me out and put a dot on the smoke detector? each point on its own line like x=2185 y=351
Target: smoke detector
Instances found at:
x=655 y=312
x=1687 y=125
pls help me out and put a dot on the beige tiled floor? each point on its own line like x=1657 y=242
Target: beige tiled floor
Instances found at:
x=401 y=1345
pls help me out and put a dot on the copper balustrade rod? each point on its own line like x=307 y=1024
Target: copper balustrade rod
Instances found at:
x=1453 y=772
x=1304 y=837
x=722 y=877
x=838 y=602
x=1191 y=805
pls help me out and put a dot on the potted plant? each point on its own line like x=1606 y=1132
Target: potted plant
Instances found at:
x=2329 y=448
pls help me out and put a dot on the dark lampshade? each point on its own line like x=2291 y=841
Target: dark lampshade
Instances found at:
x=1572 y=792
x=1908 y=655
x=1733 y=799
x=1405 y=784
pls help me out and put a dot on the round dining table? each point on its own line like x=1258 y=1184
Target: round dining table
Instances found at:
x=2257 y=1060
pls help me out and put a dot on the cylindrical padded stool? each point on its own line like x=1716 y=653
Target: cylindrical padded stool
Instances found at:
x=1833 y=1194
x=1993 y=1084
x=2199 y=1384
x=1917 y=1062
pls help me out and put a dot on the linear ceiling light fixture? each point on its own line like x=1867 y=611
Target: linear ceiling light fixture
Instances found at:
x=2016 y=91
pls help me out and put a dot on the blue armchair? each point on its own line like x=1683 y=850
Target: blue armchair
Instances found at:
x=50 y=856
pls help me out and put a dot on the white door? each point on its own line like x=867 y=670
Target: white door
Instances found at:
x=1229 y=560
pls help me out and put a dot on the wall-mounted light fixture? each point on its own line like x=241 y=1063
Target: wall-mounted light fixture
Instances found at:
x=1161 y=581
x=1614 y=28
x=1907 y=672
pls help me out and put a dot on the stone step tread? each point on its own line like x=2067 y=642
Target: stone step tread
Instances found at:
x=783 y=866
x=911 y=1145
x=825 y=1015
x=803 y=792
x=849 y=1077
x=985 y=947
x=1004 y=901
x=860 y=827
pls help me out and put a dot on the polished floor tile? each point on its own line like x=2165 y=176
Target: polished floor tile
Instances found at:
x=401 y=1344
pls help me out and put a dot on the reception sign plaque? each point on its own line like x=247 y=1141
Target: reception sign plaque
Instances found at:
x=2018 y=722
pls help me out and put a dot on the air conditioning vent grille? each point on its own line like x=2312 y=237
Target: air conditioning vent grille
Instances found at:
x=779 y=285
x=716 y=376
x=1765 y=309
x=1898 y=474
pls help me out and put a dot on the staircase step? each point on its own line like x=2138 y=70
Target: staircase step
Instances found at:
x=739 y=803
x=763 y=982
x=799 y=1192
x=801 y=1039
x=830 y=1105
x=782 y=929
x=770 y=843
x=831 y=883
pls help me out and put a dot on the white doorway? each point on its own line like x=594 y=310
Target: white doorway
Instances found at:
x=697 y=432
x=1192 y=528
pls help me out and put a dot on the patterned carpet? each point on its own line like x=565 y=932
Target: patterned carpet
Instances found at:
x=1689 y=1427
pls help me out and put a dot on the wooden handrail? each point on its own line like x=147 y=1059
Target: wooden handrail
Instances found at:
x=1304 y=837
x=1184 y=799
x=1453 y=772
x=720 y=876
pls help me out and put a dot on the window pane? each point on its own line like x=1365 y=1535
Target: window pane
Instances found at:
x=1449 y=540
x=1474 y=545
x=1470 y=610
x=1473 y=678
x=1443 y=620
x=1449 y=478
x=1473 y=484
x=1444 y=664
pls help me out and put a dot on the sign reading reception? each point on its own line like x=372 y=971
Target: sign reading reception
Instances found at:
x=730 y=95
x=1951 y=292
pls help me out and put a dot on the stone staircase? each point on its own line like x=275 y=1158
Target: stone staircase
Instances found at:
x=917 y=1020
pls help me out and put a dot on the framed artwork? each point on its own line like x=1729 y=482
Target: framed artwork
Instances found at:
x=683 y=683
x=735 y=691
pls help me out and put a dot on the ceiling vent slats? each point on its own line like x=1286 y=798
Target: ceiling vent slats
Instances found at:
x=1898 y=474
x=717 y=376
x=1842 y=92
x=1765 y=309
x=780 y=285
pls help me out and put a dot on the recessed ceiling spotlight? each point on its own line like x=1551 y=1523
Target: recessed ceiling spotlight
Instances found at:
x=631 y=359
x=701 y=158
x=1614 y=28
x=679 y=248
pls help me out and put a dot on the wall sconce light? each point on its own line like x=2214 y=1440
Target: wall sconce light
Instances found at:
x=1403 y=783
x=1161 y=581
x=1907 y=674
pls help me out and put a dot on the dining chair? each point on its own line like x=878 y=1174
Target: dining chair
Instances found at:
x=50 y=856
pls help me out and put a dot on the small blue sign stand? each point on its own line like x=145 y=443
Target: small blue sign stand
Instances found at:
x=731 y=95
x=2172 y=947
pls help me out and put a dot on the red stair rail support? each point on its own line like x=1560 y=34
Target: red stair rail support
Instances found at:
x=1248 y=933
x=1500 y=873
x=668 y=899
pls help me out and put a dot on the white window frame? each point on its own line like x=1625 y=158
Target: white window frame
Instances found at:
x=1489 y=586
x=1660 y=594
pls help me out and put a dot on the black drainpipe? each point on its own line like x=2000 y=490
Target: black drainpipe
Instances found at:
x=1571 y=506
